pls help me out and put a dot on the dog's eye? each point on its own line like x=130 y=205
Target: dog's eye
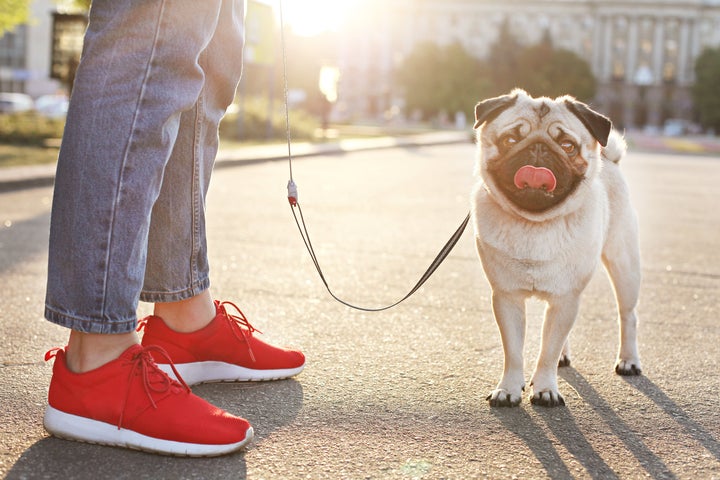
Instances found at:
x=568 y=147
x=508 y=141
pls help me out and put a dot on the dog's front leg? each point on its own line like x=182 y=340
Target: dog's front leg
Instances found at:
x=559 y=318
x=509 y=311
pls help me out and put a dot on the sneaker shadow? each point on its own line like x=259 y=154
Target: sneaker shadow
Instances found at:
x=267 y=405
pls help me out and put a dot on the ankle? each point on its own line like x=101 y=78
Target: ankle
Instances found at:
x=88 y=351
x=187 y=315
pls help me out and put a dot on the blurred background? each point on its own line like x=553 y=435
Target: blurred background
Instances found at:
x=386 y=67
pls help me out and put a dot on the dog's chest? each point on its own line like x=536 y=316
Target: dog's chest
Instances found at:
x=551 y=256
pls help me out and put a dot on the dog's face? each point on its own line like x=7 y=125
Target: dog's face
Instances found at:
x=535 y=153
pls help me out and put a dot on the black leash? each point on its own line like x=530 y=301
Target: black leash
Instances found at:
x=302 y=226
x=444 y=252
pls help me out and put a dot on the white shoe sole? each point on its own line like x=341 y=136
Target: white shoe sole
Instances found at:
x=206 y=372
x=73 y=427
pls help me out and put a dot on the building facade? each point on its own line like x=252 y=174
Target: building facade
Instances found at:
x=642 y=52
x=26 y=52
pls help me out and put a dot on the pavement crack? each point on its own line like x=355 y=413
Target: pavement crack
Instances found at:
x=19 y=364
x=690 y=273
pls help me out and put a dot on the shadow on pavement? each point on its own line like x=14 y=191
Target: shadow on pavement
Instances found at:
x=268 y=405
x=519 y=422
x=654 y=466
x=561 y=422
x=563 y=425
x=692 y=429
x=22 y=240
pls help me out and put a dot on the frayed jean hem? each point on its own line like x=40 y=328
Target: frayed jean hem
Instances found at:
x=175 y=296
x=90 y=325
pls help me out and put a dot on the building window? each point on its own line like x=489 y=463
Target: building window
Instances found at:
x=671 y=44
x=13 y=47
x=619 y=48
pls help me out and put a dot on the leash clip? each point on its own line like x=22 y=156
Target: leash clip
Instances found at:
x=292 y=193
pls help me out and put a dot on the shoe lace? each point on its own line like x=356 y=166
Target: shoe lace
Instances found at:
x=154 y=380
x=240 y=325
x=142 y=324
x=52 y=353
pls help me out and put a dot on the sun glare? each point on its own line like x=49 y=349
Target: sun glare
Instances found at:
x=312 y=17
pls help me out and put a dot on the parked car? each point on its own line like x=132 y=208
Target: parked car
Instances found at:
x=675 y=127
x=15 y=102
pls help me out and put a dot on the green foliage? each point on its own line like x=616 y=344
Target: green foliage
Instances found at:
x=503 y=62
x=254 y=123
x=550 y=72
x=13 y=13
x=83 y=4
x=441 y=79
x=29 y=129
x=437 y=79
x=705 y=92
x=17 y=12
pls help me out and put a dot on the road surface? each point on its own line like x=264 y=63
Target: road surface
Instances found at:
x=401 y=394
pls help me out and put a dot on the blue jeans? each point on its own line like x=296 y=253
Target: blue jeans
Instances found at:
x=128 y=223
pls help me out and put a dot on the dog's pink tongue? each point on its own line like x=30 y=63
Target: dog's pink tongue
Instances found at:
x=535 y=177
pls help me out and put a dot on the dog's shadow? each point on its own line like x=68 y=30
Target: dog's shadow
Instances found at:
x=267 y=405
x=564 y=427
x=691 y=428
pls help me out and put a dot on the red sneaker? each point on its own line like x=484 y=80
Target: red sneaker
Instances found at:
x=226 y=350
x=131 y=403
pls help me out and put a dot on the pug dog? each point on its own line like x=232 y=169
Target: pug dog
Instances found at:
x=550 y=202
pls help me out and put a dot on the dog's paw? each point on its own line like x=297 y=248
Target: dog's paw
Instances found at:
x=564 y=361
x=628 y=367
x=547 y=398
x=503 y=398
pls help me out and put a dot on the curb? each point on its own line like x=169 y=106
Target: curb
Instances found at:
x=19 y=178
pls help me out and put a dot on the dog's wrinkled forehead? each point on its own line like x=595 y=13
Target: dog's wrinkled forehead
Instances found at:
x=521 y=112
x=542 y=115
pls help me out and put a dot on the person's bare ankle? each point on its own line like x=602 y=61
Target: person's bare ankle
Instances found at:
x=187 y=315
x=88 y=351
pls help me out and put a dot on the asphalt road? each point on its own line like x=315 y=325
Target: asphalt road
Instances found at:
x=400 y=394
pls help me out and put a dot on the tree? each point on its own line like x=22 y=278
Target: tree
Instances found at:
x=503 y=60
x=540 y=69
x=543 y=70
x=705 y=93
x=439 y=79
x=13 y=13
x=17 y=12
x=82 y=4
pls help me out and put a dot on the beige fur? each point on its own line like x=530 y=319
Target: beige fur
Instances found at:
x=553 y=254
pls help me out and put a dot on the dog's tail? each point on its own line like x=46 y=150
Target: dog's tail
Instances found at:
x=615 y=148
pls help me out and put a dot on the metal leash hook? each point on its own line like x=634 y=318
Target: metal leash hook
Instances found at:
x=292 y=193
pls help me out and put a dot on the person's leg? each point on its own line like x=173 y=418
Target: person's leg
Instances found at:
x=206 y=341
x=138 y=73
x=177 y=273
x=189 y=315
x=93 y=350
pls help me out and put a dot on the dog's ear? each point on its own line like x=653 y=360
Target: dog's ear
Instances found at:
x=598 y=125
x=492 y=107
